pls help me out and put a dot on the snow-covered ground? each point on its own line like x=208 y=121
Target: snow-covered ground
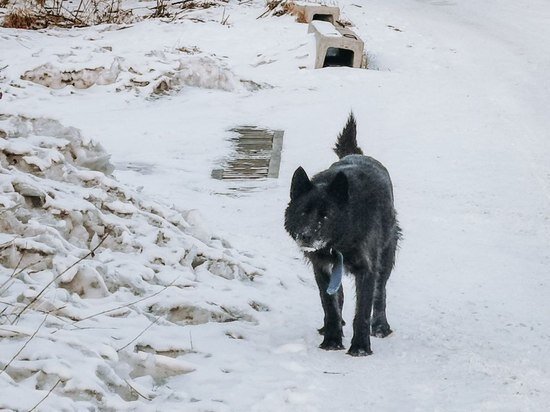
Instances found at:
x=455 y=105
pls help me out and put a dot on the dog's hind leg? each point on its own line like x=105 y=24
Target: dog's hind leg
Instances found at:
x=332 y=306
x=380 y=325
x=364 y=288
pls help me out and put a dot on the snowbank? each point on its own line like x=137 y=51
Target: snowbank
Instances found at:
x=80 y=251
x=161 y=72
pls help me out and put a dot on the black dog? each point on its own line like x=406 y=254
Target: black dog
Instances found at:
x=344 y=217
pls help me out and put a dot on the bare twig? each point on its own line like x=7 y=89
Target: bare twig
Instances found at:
x=72 y=18
x=44 y=398
x=10 y=330
x=13 y=276
x=141 y=333
x=129 y=304
x=136 y=391
x=90 y=253
x=46 y=312
x=25 y=345
x=263 y=14
x=272 y=5
x=51 y=312
x=16 y=273
x=8 y=280
x=176 y=16
x=78 y=8
x=5 y=244
x=18 y=263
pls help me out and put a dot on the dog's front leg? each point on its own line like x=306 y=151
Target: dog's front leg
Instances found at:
x=332 y=328
x=364 y=289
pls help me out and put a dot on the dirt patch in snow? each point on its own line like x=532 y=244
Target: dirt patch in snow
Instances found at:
x=49 y=76
x=163 y=72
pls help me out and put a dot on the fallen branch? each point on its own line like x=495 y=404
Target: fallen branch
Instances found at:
x=44 y=398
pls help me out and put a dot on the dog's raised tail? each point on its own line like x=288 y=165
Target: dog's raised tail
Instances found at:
x=346 y=143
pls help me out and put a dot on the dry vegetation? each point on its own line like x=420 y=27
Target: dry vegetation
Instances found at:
x=38 y=14
x=277 y=8
x=22 y=19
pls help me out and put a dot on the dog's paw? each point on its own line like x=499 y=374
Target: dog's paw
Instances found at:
x=322 y=330
x=354 y=351
x=381 y=331
x=332 y=344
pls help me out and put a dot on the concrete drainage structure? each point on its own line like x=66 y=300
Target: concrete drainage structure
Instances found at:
x=336 y=46
x=307 y=12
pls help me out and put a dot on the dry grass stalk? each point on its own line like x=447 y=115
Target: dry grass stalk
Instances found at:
x=161 y=9
x=277 y=8
x=225 y=18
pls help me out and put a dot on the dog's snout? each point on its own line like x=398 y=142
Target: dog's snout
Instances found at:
x=305 y=238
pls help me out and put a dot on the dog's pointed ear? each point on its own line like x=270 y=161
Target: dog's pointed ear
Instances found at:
x=300 y=184
x=339 y=188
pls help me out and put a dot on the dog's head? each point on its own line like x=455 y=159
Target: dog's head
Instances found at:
x=317 y=210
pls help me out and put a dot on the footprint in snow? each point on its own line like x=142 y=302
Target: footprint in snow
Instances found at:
x=290 y=348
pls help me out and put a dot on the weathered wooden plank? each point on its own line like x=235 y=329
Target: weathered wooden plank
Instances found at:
x=257 y=155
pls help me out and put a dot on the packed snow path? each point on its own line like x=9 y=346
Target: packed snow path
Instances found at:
x=457 y=111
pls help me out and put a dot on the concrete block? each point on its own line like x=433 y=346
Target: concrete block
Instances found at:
x=336 y=46
x=308 y=12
